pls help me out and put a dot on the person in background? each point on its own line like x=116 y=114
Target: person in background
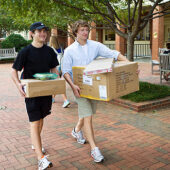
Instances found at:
x=59 y=53
x=36 y=58
x=82 y=52
x=166 y=75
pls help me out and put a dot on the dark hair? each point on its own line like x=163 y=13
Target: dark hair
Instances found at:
x=32 y=32
x=168 y=45
x=77 y=24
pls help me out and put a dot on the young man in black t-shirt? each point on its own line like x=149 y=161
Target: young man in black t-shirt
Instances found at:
x=36 y=58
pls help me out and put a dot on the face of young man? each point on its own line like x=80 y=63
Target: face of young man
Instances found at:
x=40 y=35
x=82 y=33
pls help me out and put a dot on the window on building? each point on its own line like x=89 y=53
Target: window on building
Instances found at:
x=144 y=35
x=109 y=35
x=169 y=34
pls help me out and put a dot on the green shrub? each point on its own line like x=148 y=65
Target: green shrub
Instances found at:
x=15 y=40
x=29 y=42
x=148 y=91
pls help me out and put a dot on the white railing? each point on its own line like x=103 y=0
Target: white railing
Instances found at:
x=7 y=53
x=140 y=50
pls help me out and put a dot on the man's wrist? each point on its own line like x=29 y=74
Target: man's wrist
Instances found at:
x=19 y=84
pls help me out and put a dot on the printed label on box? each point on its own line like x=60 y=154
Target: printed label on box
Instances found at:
x=98 y=78
x=102 y=92
x=87 y=80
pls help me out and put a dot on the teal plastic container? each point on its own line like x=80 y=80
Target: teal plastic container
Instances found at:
x=45 y=76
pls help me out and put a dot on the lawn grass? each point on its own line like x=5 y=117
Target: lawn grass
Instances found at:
x=148 y=92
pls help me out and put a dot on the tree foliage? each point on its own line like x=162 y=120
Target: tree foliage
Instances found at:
x=128 y=14
x=7 y=23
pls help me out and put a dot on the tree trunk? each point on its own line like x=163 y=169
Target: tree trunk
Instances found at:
x=130 y=47
x=1 y=34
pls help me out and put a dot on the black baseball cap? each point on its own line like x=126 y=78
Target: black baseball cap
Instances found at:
x=38 y=26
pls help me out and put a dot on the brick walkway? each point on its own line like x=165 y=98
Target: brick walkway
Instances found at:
x=146 y=75
x=128 y=140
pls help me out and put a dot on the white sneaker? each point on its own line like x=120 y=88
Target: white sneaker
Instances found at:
x=66 y=104
x=96 y=154
x=43 y=150
x=44 y=163
x=78 y=136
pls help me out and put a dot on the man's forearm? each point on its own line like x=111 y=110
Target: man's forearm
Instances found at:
x=54 y=70
x=122 y=58
x=75 y=88
x=69 y=79
x=15 y=78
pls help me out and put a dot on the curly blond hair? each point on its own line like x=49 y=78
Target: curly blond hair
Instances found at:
x=77 y=24
x=54 y=42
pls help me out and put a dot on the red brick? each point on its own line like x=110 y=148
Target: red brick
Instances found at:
x=156 y=166
x=15 y=142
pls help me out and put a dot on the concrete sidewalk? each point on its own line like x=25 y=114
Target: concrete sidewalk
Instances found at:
x=128 y=140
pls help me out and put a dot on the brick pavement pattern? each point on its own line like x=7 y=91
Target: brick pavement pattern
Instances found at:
x=128 y=140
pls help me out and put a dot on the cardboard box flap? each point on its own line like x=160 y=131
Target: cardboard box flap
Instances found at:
x=122 y=64
x=103 y=65
x=100 y=65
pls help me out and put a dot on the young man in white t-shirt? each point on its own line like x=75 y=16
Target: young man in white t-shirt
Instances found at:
x=82 y=52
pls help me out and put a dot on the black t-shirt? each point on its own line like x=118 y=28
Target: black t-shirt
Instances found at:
x=35 y=60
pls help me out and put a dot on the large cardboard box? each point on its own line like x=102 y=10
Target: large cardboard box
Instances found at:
x=35 y=88
x=104 y=80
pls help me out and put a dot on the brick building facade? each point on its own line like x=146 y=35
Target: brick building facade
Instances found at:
x=155 y=36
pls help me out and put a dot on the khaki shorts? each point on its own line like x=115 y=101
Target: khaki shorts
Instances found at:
x=86 y=107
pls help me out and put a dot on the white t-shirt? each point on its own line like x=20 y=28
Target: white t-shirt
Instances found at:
x=85 y=49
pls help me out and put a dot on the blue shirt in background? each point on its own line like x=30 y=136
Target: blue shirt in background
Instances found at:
x=59 y=50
